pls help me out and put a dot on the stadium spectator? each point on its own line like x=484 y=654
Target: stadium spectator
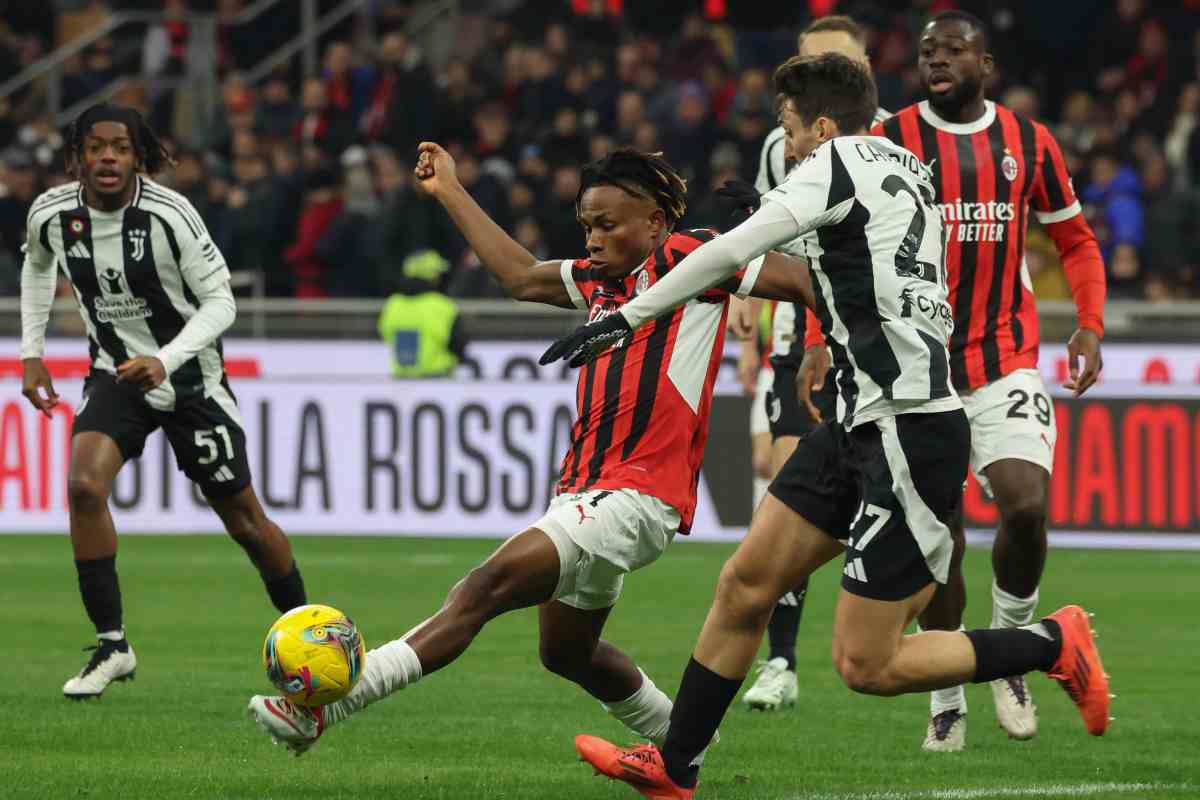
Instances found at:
x=401 y=111
x=1179 y=137
x=276 y=114
x=348 y=86
x=1114 y=208
x=1171 y=253
x=18 y=188
x=320 y=126
x=322 y=205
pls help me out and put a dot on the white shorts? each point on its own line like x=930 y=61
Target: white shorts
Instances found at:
x=601 y=535
x=758 y=408
x=1011 y=418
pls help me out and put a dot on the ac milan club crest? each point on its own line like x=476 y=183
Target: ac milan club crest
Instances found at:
x=643 y=282
x=1009 y=166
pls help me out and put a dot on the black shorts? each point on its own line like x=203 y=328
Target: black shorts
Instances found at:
x=889 y=488
x=785 y=414
x=208 y=440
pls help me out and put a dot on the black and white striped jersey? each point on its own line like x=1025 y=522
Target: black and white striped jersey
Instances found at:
x=787 y=327
x=873 y=236
x=137 y=274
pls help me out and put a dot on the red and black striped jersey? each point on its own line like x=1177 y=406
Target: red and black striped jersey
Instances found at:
x=988 y=174
x=643 y=405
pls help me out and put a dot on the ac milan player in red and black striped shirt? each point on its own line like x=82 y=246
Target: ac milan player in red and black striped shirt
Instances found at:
x=992 y=167
x=628 y=482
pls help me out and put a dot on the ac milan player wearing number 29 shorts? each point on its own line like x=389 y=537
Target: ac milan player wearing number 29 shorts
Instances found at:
x=992 y=168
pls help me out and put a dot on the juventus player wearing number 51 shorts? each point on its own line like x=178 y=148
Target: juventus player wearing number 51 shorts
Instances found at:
x=886 y=476
x=991 y=168
x=153 y=291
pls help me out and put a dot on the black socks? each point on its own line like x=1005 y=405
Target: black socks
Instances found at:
x=100 y=591
x=286 y=592
x=704 y=696
x=785 y=623
x=1004 y=652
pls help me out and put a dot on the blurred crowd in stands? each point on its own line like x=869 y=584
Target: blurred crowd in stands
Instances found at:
x=308 y=179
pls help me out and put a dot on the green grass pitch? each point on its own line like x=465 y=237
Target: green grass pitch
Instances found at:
x=495 y=725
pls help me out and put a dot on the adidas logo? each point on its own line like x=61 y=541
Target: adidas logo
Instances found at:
x=854 y=568
x=223 y=475
x=79 y=250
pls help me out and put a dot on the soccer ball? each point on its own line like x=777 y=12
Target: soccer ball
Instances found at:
x=314 y=655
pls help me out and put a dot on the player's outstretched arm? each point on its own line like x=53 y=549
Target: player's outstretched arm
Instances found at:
x=38 y=278
x=705 y=267
x=521 y=275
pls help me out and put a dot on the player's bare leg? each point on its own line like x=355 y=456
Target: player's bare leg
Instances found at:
x=1021 y=489
x=95 y=461
x=570 y=646
x=776 y=684
x=781 y=550
x=523 y=572
x=947 y=728
x=266 y=545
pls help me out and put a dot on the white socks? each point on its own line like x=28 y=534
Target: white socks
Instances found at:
x=112 y=636
x=1010 y=611
x=388 y=669
x=946 y=699
x=646 y=712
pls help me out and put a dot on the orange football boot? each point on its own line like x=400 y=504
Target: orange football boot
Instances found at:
x=1078 y=669
x=641 y=767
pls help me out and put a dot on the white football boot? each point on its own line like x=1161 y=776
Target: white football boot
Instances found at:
x=774 y=688
x=108 y=663
x=295 y=727
x=1015 y=710
x=947 y=732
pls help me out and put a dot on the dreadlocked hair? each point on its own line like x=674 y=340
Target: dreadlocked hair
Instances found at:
x=152 y=155
x=645 y=175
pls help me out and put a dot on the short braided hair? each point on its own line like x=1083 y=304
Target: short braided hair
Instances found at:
x=152 y=155
x=645 y=175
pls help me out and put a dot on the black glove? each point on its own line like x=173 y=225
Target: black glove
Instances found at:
x=588 y=341
x=741 y=198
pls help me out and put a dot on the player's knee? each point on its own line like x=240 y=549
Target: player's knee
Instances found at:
x=741 y=595
x=86 y=492
x=1025 y=517
x=864 y=675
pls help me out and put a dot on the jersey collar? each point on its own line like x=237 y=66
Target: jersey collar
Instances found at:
x=929 y=115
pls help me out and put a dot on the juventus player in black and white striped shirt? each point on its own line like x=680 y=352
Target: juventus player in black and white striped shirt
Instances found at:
x=154 y=294
x=886 y=477
x=776 y=684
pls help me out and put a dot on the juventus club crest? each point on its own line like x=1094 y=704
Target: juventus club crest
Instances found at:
x=137 y=243
x=1009 y=166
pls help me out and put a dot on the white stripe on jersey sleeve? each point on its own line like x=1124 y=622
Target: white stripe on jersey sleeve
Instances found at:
x=750 y=277
x=1062 y=215
x=569 y=282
